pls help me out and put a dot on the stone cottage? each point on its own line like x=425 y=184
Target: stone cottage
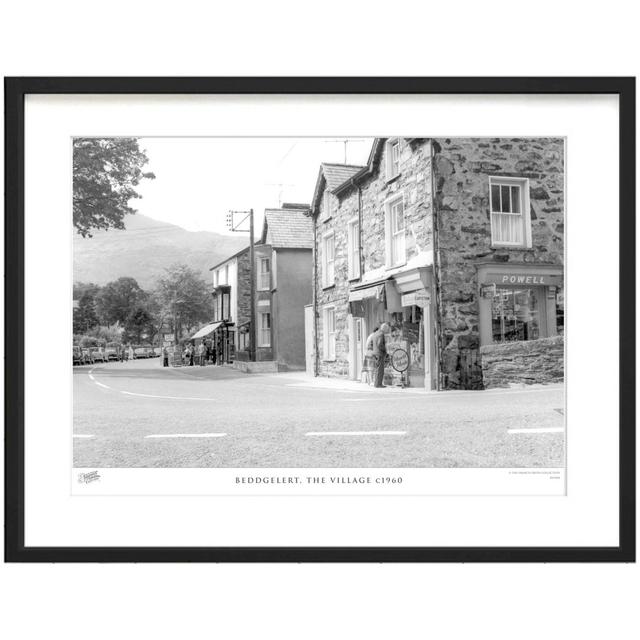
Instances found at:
x=458 y=244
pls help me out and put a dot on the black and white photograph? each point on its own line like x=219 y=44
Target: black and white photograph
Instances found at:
x=336 y=302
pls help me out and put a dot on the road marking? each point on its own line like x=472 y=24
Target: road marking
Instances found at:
x=538 y=430
x=356 y=433
x=144 y=395
x=148 y=395
x=82 y=435
x=187 y=435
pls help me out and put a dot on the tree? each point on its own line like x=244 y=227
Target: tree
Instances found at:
x=185 y=298
x=117 y=300
x=84 y=315
x=105 y=174
x=139 y=324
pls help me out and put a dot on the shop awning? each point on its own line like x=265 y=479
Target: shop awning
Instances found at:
x=376 y=291
x=205 y=331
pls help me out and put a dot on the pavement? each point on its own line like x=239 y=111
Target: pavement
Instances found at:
x=140 y=414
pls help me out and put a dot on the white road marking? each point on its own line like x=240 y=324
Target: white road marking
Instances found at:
x=144 y=395
x=356 y=433
x=538 y=430
x=187 y=435
x=148 y=395
x=82 y=435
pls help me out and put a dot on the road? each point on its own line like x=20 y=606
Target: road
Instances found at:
x=139 y=414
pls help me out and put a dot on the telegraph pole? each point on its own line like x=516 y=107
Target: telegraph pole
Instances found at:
x=237 y=226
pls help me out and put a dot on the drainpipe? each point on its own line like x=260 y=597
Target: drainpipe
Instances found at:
x=315 y=295
x=436 y=272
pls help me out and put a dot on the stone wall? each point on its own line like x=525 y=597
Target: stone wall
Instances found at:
x=462 y=167
x=244 y=289
x=413 y=184
x=529 y=362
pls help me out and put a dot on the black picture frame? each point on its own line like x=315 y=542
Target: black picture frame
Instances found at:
x=15 y=91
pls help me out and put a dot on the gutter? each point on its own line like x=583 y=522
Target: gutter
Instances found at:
x=315 y=295
x=436 y=271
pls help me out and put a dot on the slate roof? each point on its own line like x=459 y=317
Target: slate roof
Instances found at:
x=337 y=174
x=288 y=229
x=333 y=175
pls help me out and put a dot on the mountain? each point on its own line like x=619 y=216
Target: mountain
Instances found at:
x=145 y=248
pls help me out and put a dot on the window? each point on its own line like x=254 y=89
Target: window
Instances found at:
x=510 y=223
x=264 y=329
x=396 y=250
x=328 y=260
x=328 y=205
x=329 y=333
x=515 y=315
x=393 y=158
x=353 y=256
x=264 y=274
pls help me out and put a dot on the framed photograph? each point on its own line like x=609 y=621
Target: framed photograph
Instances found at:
x=320 y=319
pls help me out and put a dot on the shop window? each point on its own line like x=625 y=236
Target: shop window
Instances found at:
x=264 y=329
x=515 y=315
x=329 y=333
x=560 y=312
x=510 y=218
x=396 y=247
x=328 y=260
x=354 y=249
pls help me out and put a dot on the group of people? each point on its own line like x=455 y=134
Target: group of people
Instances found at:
x=375 y=355
x=201 y=354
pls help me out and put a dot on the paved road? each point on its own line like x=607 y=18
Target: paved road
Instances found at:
x=139 y=414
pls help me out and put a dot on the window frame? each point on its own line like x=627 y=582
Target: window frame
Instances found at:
x=525 y=210
x=329 y=202
x=353 y=253
x=261 y=260
x=326 y=283
x=328 y=344
x=261 y=329
x=390 y=234
x=392 y=167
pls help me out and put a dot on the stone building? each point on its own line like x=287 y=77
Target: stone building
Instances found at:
x=458 y=243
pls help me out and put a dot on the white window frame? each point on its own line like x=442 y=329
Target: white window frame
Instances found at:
x=353 y=248
x=328 y=205
x=525 y=211
x=392 y=236
x=392 y=165
x=264 y=275
x=326 y=280
x=328 y=337
x=274 y=269
x=264 y=334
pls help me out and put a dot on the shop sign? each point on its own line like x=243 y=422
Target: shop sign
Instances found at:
x=168 y=336
x=400 y=360
x=537 y=279
x=420 y=298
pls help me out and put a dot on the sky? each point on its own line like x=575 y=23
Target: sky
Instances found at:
x=199 y=179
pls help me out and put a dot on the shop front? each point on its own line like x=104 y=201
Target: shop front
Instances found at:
x=521 y=323
x=404 y=302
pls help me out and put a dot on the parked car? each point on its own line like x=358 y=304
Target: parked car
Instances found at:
x=99 y=355
x=157 y=352
x=87 y=355
x=112 y=351
x=77 y=355
x=140 y=352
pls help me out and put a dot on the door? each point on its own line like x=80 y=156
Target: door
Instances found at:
x=308 y=339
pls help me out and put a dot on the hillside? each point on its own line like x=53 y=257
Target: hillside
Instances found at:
x=145 y=248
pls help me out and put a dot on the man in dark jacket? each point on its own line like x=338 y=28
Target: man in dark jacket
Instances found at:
x=380 y=352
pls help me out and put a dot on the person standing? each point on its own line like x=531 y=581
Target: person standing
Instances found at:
x=368 y=365
x=201 y=353
x=165 y=357
x=131 y=353
x=380 y=352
